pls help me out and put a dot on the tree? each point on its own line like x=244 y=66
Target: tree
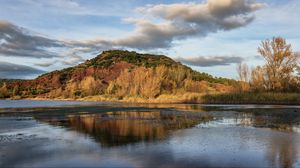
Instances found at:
x=70 y=89
x=89 y=86
x=281 y=62
x=258 y=82
x=3 y=91
x=16 y=90
x=244 y=76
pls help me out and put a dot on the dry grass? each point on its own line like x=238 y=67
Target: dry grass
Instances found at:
x=253 y=98
x=164 y=98
x=212 y=98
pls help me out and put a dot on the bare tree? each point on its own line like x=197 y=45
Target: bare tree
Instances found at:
x=244 y=76
x=243 y=72
x=281 y=62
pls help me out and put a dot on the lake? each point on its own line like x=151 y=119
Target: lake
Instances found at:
x=90 y=134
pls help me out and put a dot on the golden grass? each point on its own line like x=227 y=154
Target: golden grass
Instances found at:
x=201 y=98
x=164 y=98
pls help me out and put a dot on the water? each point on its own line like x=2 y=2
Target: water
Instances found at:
x=53 y=134
x=41 y=103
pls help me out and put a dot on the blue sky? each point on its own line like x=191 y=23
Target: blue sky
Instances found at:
x=209 y=35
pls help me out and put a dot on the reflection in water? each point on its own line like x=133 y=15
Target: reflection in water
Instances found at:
x=119 y=128
x=277 y=122
x=282 y=151
x=176 y=136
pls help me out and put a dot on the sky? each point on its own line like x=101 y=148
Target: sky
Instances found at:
x=212 y=36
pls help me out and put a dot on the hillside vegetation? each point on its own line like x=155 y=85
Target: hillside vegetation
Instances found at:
x=119 y=75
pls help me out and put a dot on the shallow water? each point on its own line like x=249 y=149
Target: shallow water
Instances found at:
x=77 y=134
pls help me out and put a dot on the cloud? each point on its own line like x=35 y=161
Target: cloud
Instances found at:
x=161 y=25
x=73 y=59
x=16 y=71
x=183 y=20
x=202 y=61
x=46 y=64
x=17 y=41
x=180 y=21
x=73 y=7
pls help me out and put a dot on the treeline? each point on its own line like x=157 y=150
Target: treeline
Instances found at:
x=6 y=91
x=152 y=82
x=136 y=82
x=280 y=73
x=142 y=82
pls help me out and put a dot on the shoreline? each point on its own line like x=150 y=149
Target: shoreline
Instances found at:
x=209 y=99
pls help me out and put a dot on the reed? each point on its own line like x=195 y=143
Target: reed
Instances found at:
x=252 y=98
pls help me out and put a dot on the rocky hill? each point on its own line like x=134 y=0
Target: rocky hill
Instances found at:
x=118 y=73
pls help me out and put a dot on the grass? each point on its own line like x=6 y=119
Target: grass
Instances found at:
x=201 y=98
x=253 y=98
x=218 y=98
x=164 y=98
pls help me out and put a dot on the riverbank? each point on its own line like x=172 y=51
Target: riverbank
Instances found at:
x=253 y=98
x=197 y=98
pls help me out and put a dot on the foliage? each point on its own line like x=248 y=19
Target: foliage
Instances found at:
x=3 y=91
x=281 y=63
x=120 y=73
x=152 y=82
x=107 y=58
x=278 y=73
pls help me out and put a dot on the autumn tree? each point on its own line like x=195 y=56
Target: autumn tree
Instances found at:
x=153 y=84
x=258 y=81
x=16 y=90
x=70 y=89
x=281 y=62
x=3 y=91
x=89 y=86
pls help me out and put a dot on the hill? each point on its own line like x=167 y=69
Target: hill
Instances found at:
x=119 y=74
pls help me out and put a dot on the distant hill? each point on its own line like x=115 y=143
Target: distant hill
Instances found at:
x=118 y=73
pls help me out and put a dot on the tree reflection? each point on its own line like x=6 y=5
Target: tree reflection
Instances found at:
x=281 y=149
x=120 y=128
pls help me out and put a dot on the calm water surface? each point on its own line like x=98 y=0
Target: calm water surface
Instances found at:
x=77 y=134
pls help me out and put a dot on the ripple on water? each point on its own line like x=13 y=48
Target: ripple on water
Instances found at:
x=16 y=138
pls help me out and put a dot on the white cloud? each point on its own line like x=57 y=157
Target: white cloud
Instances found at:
x=184 y=20
x=172 y=22
x=210 y=61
